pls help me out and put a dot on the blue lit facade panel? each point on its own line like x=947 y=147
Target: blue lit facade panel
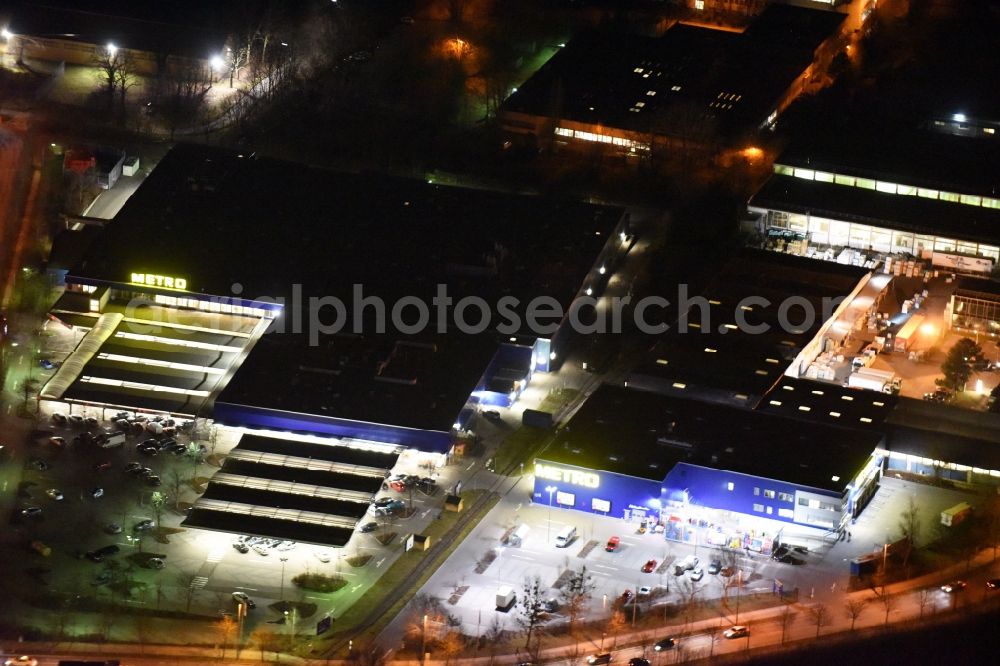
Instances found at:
x=595 y=491
x=509 y=370
x=731 y=491
x=430 y=441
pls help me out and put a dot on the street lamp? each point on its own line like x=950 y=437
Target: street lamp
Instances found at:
x=739 y=584
x=112 y=49
x=241 y=613
x=548 y=530
x=282 y=593
x=423 y=641
x=6 y=34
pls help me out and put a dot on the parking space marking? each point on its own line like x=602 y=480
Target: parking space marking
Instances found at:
x=379 y=563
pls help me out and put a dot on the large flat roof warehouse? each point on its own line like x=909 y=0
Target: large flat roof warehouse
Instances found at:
x=643 y=434
x=717 y=357
x=219 y=228
x=219 y=218
x=689 y=81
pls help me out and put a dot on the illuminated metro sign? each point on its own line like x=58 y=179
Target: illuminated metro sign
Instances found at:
x=165 y=281
x=575 y=477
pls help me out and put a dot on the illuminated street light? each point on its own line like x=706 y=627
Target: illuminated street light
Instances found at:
x=112 y=49
x=548 y=529
x=959 y=118
x=217 y=63
x=6 y=34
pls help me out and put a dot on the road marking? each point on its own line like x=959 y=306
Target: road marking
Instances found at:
x=248 y=589
x=471 y=465
x=379 y=563
x=424 y=514
x=354 y=588
x=199 y=582
x=310 y=597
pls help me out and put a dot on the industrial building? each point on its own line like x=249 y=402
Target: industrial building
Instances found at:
x=221 y=291
x=707 y=473
x=762 y=316
x=924 y=194
x=691 y=88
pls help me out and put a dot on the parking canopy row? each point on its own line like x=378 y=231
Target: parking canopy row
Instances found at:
x=294 y=490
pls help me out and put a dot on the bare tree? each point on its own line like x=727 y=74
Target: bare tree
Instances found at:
x=909 y=525
x=712 y=631
x=575 y=594
x=174 y=484
x=615 y=625
x=225 y=627
x=854 y=608
x=820 y=616
x=888 y=603
x=531 y=608
x=785 y=619
x=924 y=597
x=451 y=645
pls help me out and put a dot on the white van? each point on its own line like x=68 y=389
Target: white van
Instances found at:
x=519 y=535
x=565 y=537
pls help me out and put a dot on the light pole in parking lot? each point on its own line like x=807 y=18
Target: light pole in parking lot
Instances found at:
x=548 y=530
x=282 y=592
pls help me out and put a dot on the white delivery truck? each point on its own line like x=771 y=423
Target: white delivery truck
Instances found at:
x=505 y=597
x=884 y=381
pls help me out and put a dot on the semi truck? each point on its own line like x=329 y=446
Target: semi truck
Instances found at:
x=884 y=381
x=908 y=333
x=505 y=598
x=956 y=514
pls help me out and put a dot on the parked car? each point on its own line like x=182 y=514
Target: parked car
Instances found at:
x=99 y=554
x=153 y=480
x=738 y=631
x=714 y=567
x=133 y=467
x=155 y=563
x=613 y=544
x=645 y=591
x=23 y=660
x=665 y=644
x=102 y=466
x=322 y=555
x=493 y=415
x=649 y=566
x=31 y=511
x=638 y=661
x=46 y=364
x=697 y=573
x=241 y=547
x=113 y=528
x=993 y=584
x=599 y=658
x=39 y=464
x=261 y=549
x=57 y=441
x=55 y=494
x=625 y=597
x=143 y=525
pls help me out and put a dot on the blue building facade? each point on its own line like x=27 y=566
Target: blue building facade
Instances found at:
x=595 y=491
x=698 y=504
